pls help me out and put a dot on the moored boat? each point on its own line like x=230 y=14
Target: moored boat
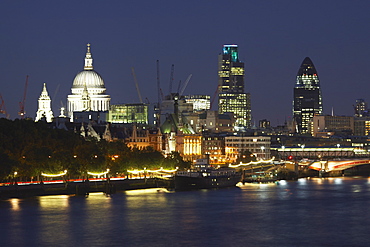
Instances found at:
x=203 y=176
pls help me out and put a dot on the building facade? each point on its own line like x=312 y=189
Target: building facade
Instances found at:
x=88 y=90
x=323 y=126
x=307 y=97
x=129 y=113
x=361 y=108
x=231 y=94
x=257 y=145
x=200 y=102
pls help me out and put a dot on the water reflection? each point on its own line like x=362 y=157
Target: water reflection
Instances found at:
x=283 y=214
x=60 y=202
x=14 y=202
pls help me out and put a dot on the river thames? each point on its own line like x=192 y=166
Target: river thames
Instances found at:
x=307 y=212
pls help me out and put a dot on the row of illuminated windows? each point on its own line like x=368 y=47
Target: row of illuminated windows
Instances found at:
x=248 y=145
x=228 y=139
x=237 y=71
x=139 y=140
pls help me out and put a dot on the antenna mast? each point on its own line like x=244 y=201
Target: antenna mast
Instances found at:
x=137 y=84
x=22 y=112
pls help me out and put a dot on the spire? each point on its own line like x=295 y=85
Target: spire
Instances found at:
x=44 y=106
x=44 y=93
x=88 y=59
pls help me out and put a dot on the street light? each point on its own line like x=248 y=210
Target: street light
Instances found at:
x=15 y=174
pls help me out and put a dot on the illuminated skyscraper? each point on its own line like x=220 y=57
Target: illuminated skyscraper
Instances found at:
x=231 y=95
x=307 y=97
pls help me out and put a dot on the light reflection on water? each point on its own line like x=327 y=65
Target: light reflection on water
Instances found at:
x=308 y=212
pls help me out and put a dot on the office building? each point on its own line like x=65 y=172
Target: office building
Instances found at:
x=307 y=97
x=129 y=113
x=231 y=93
x=361 y=108
x=200 y=102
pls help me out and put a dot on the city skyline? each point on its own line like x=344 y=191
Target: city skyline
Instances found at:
x=42 y=41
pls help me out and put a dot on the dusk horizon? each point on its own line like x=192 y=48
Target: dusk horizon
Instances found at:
x=47 y=41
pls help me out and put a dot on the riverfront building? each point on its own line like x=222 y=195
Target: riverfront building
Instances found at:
x=257 y=145
x=307 y=97
x=88 y=90
x=231 y=95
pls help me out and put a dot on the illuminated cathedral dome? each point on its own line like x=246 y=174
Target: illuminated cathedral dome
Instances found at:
x=88 y=90
x=90 y=78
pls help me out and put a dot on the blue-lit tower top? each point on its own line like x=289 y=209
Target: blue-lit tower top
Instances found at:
x=231 y=95
x=231 y=50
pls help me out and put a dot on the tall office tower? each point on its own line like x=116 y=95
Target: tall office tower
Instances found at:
x=231 y=95
x=307 y=97
x=361 y=108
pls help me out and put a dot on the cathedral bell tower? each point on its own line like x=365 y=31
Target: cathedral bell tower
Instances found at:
x=44 y=108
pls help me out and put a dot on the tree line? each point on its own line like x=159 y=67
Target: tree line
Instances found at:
x=29 y=148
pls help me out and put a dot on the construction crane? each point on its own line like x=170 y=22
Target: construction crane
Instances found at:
x=137 y=84
x=178 y=87
x=158 y=85
x=2 y=107
x=158 y=108
x=185 y=85
x=55 y=95
x=171 y=78
x=23 y=102
x=214 y=97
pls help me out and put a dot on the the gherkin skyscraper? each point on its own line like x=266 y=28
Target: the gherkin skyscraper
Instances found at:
x=307 y=97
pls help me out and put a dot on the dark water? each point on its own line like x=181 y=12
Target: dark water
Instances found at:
x=316 y=212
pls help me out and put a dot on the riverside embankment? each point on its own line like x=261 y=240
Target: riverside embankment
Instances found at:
x=81 y=188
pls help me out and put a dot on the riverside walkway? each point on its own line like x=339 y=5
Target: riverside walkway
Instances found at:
x=81 y=187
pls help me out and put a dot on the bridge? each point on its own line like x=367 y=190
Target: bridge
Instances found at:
x=302 y=152
x=335 y=165
x=255 y=171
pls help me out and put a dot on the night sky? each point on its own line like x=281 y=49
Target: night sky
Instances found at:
x=47 y=41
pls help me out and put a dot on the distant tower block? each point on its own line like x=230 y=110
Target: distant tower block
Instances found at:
x=307 y=97
x=44 y=109
x=361 y=108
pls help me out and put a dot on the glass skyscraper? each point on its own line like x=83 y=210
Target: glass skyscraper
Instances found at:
x=231 y=95
x=307 y=97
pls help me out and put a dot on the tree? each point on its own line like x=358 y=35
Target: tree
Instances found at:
x=6 y=165
x=174 y=159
